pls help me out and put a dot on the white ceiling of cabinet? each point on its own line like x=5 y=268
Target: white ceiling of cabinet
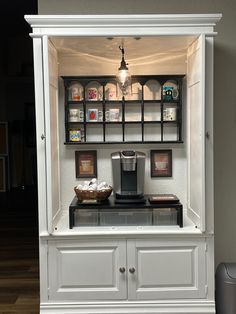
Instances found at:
x=135 y=48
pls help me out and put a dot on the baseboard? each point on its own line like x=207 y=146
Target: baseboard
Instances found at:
x=206 y=307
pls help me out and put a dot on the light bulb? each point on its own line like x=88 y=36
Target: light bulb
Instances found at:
x=124 y=81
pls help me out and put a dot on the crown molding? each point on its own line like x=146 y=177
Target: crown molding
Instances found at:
x=130 y=24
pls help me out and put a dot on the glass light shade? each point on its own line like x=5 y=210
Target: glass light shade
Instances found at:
x=124 y=80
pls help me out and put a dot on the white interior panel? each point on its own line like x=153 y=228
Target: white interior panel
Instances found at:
x=177 y=184
x=81 y=55
x=114 y=133
x=51 y=130
x=196 y=132
x=53 y=90
x=72 y=62
x=152 y=132
x=77 y=64
x=54 y=152
x=195 y=184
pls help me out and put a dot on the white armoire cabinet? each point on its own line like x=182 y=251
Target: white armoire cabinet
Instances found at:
x=126 y=269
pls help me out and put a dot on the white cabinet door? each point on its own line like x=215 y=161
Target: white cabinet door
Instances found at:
x=166 y=269
x=50 y=71
x=196 y=131
x=84 y=270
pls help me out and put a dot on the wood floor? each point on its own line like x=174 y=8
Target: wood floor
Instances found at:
x=19 y=278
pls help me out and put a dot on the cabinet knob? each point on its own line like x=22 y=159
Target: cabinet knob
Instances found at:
x=132 y=270
x=122 y=270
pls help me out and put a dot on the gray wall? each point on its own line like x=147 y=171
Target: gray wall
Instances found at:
x=225 y=93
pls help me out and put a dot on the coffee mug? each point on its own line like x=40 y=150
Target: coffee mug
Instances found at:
x=167 y=92
x=100 y=115
x=76 y=115
x=175 y=93
x=92 y=115
x=92 y=93
x=113 y=114
x=111 y=94
x=75 y=135
x=75 y=93
x=169 y=114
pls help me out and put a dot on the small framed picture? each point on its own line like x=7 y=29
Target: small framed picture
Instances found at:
x=161 y=163
x=86 y=164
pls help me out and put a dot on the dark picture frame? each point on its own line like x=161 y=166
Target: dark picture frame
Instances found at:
x=161 y=163
x=86 y=164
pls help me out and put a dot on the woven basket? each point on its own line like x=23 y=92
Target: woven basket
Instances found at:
x=92 y=195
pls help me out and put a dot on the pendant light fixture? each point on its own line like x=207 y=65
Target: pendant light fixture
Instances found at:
x=123 y=76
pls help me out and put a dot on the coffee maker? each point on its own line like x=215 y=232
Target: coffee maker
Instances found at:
x=128 y=176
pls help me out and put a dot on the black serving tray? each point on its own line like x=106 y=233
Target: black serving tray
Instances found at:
x=163 y=199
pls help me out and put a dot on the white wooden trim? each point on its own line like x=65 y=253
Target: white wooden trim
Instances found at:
x=54 y=131
x=203 y=104
x=43 y=269
x=47 y=132
x=123 y=25
x=210 y=267
x=40 y=131
x=196 y=307
x=126 y=20
x=209 y=129
x=197 y=217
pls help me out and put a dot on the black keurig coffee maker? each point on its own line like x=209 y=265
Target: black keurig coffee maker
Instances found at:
x=128 y=176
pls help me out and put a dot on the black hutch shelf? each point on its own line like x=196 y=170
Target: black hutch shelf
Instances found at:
x=138 y=214
x=97 y=113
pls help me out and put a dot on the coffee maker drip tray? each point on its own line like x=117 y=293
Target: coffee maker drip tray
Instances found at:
x=129 y=198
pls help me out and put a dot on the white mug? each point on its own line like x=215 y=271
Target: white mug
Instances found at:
x=169 y=114
x=111 y=94
x=100 y=115
x=92 y=93
x=75 y=93
x=75 y=115
x=113 y=114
